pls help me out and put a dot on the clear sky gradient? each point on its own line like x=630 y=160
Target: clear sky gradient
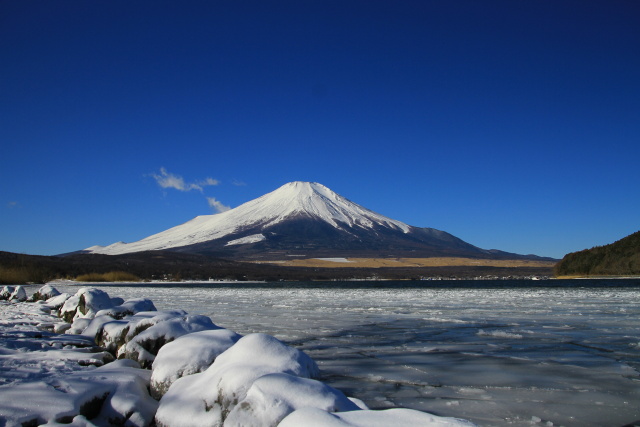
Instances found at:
x=513 y=125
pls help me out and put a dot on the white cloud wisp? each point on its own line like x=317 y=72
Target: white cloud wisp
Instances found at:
x=170 y=180
x=217 y=205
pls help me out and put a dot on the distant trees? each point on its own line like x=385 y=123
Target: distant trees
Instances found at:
x=621 y=258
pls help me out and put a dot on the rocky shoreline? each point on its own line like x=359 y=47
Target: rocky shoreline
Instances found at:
x=89 y=359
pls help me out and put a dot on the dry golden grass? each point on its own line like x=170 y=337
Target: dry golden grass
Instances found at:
x=410 y=262
x=112 y=276
x=14 y=276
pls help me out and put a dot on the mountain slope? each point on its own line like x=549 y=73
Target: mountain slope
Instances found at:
x=619 y=258
x=301 y=219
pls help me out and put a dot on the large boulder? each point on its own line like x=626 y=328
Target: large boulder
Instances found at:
x=207 y=398
x=187 y=355
x=274 y=396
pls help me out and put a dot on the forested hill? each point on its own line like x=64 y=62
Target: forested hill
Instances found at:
x=616 y=259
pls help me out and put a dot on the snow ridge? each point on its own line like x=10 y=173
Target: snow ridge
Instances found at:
x=297 y=198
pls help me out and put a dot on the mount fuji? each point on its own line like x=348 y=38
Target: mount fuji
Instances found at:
x=303 y=219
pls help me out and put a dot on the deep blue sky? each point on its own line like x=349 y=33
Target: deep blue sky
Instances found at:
x=511 y=124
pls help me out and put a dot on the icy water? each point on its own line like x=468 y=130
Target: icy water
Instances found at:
x=496 y=353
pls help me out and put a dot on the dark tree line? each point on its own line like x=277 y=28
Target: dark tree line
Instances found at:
x=621 y=258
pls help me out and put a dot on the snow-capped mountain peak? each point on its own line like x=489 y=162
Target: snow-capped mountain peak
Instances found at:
x=293 y=200
x=316 y=201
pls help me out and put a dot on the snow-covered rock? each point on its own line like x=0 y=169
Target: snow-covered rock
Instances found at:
x=6 y=292
x=114 y=394
x=144 y=346
x=274 y=396
x=187 y=355
x=127 y=308
x=397 y=417
x=85 y=303
x=93 y=327
x=207 y=398
x=116 y=333
x=57 y=302
x=44 y=293
x=265 y=350
x=13 y=293
x=129 y=403
x=79 y=325
x=61 y=328
x=18 y=294
x=70 y=308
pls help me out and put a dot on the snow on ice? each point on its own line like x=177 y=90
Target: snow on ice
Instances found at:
x=202 y=374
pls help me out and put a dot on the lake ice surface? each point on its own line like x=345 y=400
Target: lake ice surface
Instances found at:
x=496 y=356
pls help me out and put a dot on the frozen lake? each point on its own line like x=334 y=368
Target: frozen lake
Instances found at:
x=501 y=355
